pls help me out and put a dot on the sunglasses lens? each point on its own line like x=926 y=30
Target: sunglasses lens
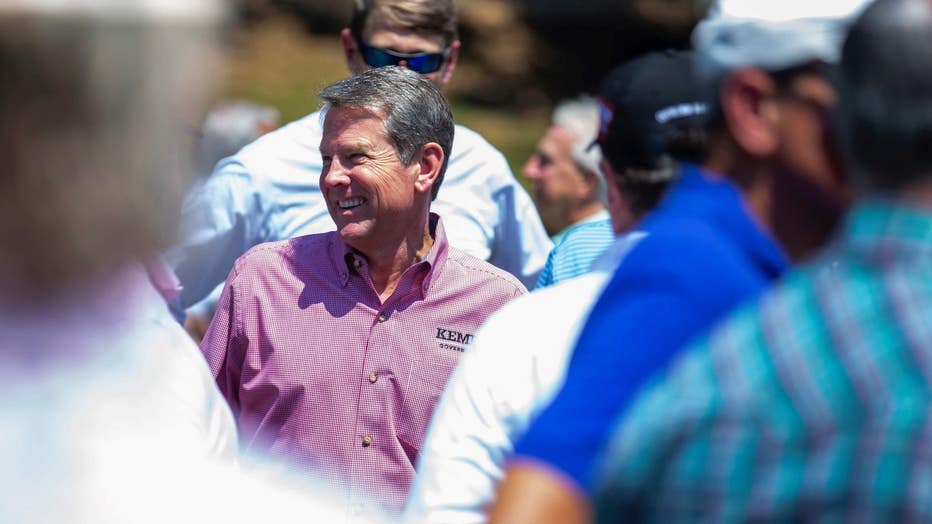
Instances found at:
x=376 y=57
x=426 y=63
x=420 y=63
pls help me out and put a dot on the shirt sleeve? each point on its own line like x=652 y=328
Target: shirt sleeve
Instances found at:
x=220 y=221
x=521 y=242
x=546 y=275
x=223 y=345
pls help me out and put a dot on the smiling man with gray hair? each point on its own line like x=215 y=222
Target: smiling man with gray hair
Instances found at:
x=332 y=349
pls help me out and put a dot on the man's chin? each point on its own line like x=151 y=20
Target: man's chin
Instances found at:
x=354 y=234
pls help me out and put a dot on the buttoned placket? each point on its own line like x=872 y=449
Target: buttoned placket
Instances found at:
x=373 y=389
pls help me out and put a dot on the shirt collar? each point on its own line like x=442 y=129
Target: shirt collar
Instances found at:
x=347 y=260
x=883 y=228
x=715 y=198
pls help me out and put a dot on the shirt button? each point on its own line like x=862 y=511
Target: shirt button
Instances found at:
x=366 y=441
x=382 y=317
x=373 y=377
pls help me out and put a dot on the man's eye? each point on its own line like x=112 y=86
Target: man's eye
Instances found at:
x=325 y=160
x=544 y=160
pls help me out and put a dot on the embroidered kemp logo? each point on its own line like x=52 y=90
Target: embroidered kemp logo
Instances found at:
x=453 y=336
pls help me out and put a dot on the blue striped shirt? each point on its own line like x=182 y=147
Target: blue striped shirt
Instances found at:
x=579 y=245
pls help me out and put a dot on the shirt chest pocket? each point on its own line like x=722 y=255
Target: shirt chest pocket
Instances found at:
x=429 y=376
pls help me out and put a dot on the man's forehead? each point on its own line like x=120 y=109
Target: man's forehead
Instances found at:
x=556 y=140
x=378 y=25
x=350 y=123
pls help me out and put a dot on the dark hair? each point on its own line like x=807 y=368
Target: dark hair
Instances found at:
x=426 y=17
x=415 y=112
x=644 y=187
x=885 y=94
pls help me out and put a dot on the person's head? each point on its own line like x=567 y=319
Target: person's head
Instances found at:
x=886 y=96
x=772 y=114
x=386 y=142
x=653 y=116
x=418 y=34
x=96 y=98
x=563 y=171
x=231 y=125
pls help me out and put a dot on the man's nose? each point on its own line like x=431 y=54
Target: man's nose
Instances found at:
x=335 y=174
x=530 y=169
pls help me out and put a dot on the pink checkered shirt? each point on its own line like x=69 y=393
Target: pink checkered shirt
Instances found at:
x=320 y=373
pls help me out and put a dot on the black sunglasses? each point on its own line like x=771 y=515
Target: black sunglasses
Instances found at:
x=422 y=63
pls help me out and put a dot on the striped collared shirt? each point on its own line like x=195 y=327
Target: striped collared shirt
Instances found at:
x=815 y=404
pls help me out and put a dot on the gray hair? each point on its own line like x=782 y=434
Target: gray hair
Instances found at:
x=415 y=112
x=580 y=117
x=94 y=102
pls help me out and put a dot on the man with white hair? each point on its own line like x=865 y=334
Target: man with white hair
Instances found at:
x=564 y=172
x=770 y=190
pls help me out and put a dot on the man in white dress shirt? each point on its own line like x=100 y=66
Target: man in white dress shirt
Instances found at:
x=519 y=356
x=269 y=190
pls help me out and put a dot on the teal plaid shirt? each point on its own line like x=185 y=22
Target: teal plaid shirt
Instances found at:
x=814 y=404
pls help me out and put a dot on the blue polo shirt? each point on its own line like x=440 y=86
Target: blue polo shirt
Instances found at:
x=703 y=256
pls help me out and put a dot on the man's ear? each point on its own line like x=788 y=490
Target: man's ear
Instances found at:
x=750 y=112
x=450 y=64
x=429 y=162
x=351 y=52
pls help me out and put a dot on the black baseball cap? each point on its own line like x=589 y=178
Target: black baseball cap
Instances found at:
x=645 y=103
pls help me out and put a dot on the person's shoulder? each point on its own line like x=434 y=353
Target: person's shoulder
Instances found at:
x=690 y=249
x=563 y=298
x=480 y=271
x=294 y=138
x=272 y=256
x=591 y=236
x=469 y=148
x=466 y=137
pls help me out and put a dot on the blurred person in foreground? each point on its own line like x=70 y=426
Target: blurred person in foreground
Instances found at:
x=333 y=348
x=109 y=413
x=517 y=362
x=769 y=191
x=269 y=190
x=569 y=188
x=814 y=404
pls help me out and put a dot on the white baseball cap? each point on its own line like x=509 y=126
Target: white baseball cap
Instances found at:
x=772 y=34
